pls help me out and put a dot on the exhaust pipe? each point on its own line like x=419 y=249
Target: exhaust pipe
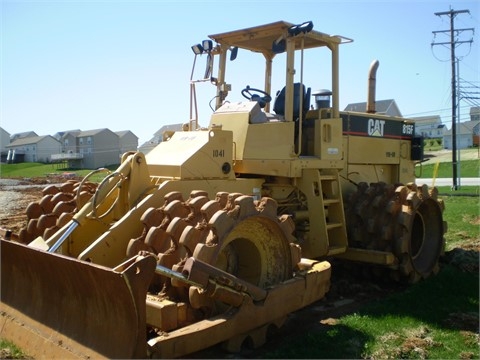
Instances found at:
x=371 y=87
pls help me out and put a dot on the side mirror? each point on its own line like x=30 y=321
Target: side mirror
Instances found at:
x=233 y=53
x=279 y=46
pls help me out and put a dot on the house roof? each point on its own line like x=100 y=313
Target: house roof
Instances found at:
x=91 y=132
x=464 y=128
x=29 y=140
x=432 y=119
x=158 y=136
x=23 y=134
x=122 y=133
x=3 y=131
x=171 y=127
x=381 y=106
x=62 y=134
x=474 y=110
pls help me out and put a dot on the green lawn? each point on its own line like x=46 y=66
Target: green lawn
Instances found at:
x=468 y=168
x=463 y=218
x=435 y=319
x=30 y=170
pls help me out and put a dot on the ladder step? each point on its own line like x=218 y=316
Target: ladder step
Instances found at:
x=333 y=250
x=328 y=177
x=330 y=201
x=334 y=226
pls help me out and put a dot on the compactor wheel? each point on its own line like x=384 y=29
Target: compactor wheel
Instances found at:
x=405 y=220
x=248 y=240
x=56 y=207
x=233 y=233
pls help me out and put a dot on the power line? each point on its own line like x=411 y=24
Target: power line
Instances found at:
x=453 y=43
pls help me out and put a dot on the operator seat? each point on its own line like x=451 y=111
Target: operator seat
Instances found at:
x=298 y=91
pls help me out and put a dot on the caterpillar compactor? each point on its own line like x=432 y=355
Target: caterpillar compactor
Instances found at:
x=221 y=231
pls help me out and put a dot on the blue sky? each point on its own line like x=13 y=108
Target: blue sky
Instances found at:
x=125 y=65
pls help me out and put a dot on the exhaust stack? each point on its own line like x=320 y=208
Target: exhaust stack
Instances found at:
x=372 y=86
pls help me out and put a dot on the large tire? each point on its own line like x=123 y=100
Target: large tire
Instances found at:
x=233 y=232
x=405 y=220
x=248 y=240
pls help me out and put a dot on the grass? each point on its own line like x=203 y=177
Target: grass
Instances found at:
x=432 y=144
x=468 y=168
x=9 y=350
x=33 y=170
x=463 y=219
x=433 y=319
x=437 y=318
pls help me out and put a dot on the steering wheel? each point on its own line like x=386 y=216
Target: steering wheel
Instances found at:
x=262 y=100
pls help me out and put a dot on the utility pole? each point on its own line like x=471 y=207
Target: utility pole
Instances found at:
x=453 y=43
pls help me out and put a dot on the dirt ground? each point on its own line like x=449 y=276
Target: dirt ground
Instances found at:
x=15 y=195
x=446 y=155
x=345 y=296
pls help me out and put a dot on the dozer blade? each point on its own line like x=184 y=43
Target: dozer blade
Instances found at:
x=53 y=306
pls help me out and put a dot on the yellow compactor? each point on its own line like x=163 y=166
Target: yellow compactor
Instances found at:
x=220 y=232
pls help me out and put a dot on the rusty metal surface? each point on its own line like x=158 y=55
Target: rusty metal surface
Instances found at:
x=101 y=309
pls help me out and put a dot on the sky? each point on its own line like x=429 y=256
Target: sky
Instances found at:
x=126 y=65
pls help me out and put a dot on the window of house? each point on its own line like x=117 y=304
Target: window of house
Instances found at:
x=80 y=141
x=65 y=142
x=89 y=140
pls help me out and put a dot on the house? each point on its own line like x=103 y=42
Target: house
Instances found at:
x=476 y=135
x=158 y=137
x=4 y=141
x=69 y=156
x=62 y=134
x=68 y=140
x=383 y=107
x=93 y=148
x=128 y=141
x=475 y=113
x=429 y=126
x=465 y=135
x=475 y=116
x=73 y=148
x=33 y=149
x=99 y=148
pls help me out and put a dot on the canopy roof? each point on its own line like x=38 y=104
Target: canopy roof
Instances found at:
x=260 y=38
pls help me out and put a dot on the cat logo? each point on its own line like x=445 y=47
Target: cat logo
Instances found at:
x=376 y=127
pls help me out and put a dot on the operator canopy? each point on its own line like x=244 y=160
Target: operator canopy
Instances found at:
x=267 y=39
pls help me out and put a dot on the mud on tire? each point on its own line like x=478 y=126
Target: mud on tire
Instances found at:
x=232 y=232
x=403 y=219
